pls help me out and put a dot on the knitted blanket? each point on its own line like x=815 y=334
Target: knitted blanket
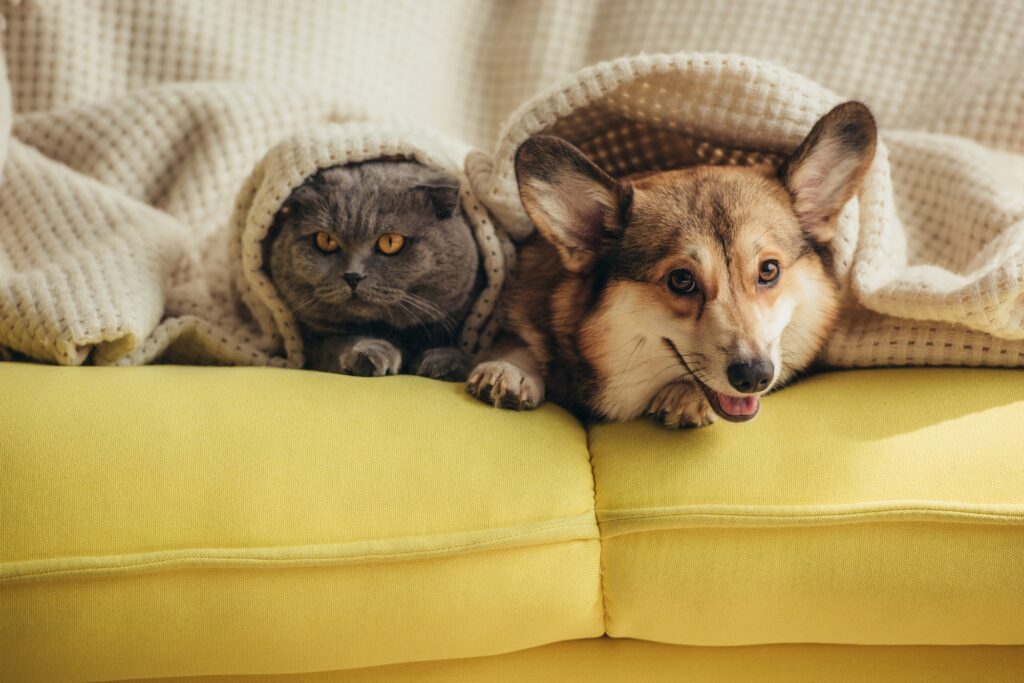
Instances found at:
x=296 y=158
x=146 y=147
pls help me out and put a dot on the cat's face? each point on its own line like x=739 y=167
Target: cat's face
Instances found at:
x=378 y=242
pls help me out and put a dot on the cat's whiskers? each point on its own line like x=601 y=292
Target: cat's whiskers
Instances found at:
x=357 y=206
x=411 y=313
x=429 y=308
x=391 y=318
x=301 y=304
x=415 y=314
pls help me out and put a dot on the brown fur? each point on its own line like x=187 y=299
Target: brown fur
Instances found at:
x=590 y=318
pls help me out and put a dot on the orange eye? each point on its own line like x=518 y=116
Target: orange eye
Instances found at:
x=325 y=242
x=390 y=243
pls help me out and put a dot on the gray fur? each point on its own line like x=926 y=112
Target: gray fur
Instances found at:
x=405 y=315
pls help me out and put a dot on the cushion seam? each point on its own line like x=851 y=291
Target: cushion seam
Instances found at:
x=600 y=556
x=779 y=516
x=106 y=565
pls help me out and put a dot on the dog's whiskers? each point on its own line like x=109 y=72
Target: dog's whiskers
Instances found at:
x=641 y=341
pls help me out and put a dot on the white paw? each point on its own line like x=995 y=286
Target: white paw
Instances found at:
x=370 y=358
x=681 y=404
x=503 y=385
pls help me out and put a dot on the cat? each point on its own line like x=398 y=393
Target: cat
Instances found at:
x=379 y=268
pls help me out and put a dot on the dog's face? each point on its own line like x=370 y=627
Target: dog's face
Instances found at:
x=716 y=275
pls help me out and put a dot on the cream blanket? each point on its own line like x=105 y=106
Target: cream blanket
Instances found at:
x=131 y=214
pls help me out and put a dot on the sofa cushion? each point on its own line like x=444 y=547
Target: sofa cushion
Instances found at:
x=872 y=507
x=170 y=521
x=607 y=660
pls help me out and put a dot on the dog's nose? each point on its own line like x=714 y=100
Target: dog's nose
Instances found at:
x=353 y=279
x=751 y=376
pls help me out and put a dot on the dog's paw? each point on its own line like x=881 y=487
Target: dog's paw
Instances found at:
x=370 y=358
x=681 y=404
x=503 y=385
x=445 y=363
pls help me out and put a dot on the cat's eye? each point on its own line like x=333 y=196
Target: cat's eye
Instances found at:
x=390 y=243
x=325 y=243
x=769 y=272
x=681 y=281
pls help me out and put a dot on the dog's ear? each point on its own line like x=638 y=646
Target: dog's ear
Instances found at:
x=828 y=167
x=574 y=204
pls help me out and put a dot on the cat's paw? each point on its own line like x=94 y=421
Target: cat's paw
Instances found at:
x=370 y=358
x=503 y=385
x=445 y=363
x=681 y=404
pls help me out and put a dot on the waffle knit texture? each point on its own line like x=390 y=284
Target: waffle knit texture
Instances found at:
x=296 y=158
x=130 y=210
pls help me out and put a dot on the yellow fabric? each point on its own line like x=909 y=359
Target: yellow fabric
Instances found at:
x=863 y=507
x=179 y=521
x=175 y=521
x=602 y=660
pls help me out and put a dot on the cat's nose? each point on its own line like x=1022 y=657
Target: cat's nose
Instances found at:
x=353 y=279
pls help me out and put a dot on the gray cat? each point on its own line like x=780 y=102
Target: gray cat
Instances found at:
x=380 y=269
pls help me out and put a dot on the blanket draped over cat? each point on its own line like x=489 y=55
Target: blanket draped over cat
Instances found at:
x=134 y=199
x=296 y=158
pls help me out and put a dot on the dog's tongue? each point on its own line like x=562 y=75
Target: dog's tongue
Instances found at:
x=740 y=406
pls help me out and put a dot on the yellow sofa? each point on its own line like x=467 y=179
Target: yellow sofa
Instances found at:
x=251 y=524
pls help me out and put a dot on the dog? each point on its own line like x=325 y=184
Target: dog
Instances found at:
x=683 y=294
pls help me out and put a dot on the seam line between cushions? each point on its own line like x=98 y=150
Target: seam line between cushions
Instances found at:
x=600 y=548
x=578 y=528
x=788 y=516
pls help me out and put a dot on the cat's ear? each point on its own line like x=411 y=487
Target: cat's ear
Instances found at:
x=575 y=205
x=828 y=166
x=443 y=197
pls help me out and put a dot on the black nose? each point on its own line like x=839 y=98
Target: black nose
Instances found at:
x=751 y=376
x=353 y=279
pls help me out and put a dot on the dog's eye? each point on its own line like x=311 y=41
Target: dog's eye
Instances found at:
x=681 y=281
x=390 y=243
x=769 y=272
x=325 y=242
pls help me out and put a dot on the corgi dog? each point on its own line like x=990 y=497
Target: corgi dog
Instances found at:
x=683 y=294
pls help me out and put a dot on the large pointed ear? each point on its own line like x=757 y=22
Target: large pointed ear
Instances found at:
x=828 y=167
x=574 y=204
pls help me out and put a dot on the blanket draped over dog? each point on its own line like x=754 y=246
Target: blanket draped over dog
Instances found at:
x=147 y=145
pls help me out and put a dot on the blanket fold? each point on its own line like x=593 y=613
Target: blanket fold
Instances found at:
x=143 y=159
x=936 y=234
x=296 y=158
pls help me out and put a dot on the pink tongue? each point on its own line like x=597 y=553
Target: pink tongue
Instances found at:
x=738 y=405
